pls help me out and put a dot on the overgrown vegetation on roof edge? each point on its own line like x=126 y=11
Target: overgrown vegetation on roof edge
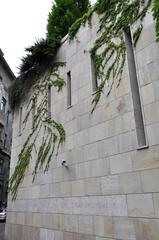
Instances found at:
x=39 y=71
x=40 y=56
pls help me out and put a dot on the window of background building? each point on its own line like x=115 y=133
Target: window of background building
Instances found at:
x=3 y=104
x=1 y=166
x=5 y=140
x=1 y=131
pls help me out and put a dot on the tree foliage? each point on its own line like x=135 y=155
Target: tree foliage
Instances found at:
x=63 y=14
x=155 y=11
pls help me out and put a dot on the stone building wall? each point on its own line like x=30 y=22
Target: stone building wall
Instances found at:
x=110 y=189
x=6 y=118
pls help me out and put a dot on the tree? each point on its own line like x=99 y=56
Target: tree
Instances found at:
x=155 y=11
x=63 y=14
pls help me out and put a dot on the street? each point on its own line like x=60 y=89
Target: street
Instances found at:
x=2 y=226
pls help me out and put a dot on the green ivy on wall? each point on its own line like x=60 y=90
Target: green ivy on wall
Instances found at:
x=53 y=133
x=109 y=51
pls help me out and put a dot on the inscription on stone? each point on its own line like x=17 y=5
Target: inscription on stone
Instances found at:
x=96 y=205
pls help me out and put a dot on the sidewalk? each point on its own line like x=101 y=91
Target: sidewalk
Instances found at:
x=2 y=227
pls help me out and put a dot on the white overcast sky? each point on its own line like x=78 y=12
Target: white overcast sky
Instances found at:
x=21 y=22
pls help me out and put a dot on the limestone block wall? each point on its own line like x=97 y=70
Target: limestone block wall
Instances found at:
x=110 y=190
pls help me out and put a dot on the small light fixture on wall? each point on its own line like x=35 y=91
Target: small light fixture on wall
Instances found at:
x=64 y=164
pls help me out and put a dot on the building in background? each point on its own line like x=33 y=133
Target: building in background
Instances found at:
x=6 y=77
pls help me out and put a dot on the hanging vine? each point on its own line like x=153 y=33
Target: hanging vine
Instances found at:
x=109 y=50
x=53 y=132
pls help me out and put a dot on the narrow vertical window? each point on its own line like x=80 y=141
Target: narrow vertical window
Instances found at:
x=5 y=140
x=20 y=120
x=139 y=122
x=49 y=100
x=69 y=99
x=93 y=75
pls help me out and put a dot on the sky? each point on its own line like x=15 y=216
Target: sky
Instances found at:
x=21 y=23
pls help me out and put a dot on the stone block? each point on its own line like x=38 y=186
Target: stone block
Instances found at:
x=71 y=223
x=86 y=224
x=103 y=148
x=92 y=186
x=44 y=190
x=106 y=205
x=46 y=234
x=81 y=138
x=124 y=228
x=112 y=146
x=84 y=121
x=156 y=84
x=99 y=167
x=86 y=237
x=77 y=236
x=104 y=226
x=147 y=229
x=130 y=183
x=91 y=151
x=37 y=220
x=70 y=236
x=150 y=180
x=146 y=158
x=32 y=233
x=66 y=189
x=69 y=173
x=57 y=174
x=78 y=188
x=151 y=112
x=71 y=127
x=82 y=170
x=149 y=54
x=57 y=221
x=148 y=34
x=153 y=134
x=54 y=190
x=136 y=208
x=97 y=132
x=156 y=204
x=110 y=185
x=77 y=155
x=28 y=218
x=121 y=163
x=126 y=141
x=147 y=93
